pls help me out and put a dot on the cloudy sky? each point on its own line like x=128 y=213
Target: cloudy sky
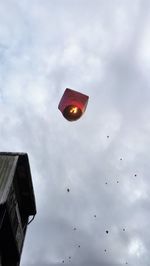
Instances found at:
x=100 y=48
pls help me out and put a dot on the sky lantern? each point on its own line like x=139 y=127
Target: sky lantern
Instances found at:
x=73 y=104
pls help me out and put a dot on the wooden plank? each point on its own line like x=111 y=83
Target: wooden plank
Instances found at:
x=7 y=170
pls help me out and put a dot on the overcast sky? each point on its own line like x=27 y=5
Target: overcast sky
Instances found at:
x=100 y=48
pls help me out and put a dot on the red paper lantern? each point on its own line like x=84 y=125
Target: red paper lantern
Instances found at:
x=73 y=104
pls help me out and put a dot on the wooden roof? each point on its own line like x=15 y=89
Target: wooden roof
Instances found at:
x=17 y=165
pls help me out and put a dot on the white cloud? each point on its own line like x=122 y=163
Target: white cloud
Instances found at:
x=136 y=248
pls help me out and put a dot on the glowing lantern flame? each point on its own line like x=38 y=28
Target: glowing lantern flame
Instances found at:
x=74 y=110
x=72 y=113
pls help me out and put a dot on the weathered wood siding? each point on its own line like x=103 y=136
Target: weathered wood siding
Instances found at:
x=7 y=169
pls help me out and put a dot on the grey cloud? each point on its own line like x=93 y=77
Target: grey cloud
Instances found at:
x=81 y=45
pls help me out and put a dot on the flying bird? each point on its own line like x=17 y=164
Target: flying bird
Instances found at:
x=68 y=189
x=106 y=231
